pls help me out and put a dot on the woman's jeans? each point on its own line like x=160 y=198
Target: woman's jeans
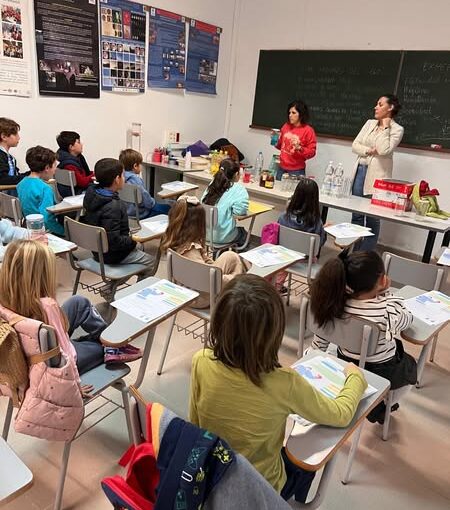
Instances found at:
x=367 y=243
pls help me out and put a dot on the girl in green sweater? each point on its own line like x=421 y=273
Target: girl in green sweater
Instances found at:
x=240 y=392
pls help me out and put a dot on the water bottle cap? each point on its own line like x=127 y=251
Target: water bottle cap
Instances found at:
x=34 y=217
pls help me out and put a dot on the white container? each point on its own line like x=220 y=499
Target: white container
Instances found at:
x=35 y=226
x=188 y=160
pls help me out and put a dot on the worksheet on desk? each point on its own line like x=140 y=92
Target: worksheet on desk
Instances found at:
x=155 y=300
x=271 y=255
x=74 y=200
x=444 y=259
x=348 y=230
x=176 y=186
x=433 y=307
x=155 y=227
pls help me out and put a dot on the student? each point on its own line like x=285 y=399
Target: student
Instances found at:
x=297 y=141
x=104 y=208
x=240 y=392
x=9 y=233
x=70 y=158
x=9 y=138
x=357 y=284
x=231 y=199
x=186 y=234
x=34 y=193
x=32 y=294
x=132 y=162
x=303 y=211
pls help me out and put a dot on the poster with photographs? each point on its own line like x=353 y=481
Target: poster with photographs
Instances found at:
x=166 y=49
x=67 y=47
x=122 y=46
x=15 y=64
x=202 y=57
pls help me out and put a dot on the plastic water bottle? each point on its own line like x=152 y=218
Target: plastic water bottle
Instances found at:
x=285 y=182
x=188 y=160
x=338 y=181
x=259 y=163
x=327 y=183
x=36 y=227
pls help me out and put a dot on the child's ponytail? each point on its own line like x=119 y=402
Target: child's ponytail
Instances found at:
x=222 y=182
x=177 y=214
x=329 y=291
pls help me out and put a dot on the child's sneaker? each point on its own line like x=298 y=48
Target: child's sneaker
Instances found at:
x=122 y=354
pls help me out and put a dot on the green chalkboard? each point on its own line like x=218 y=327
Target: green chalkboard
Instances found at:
x=424 y=92
x=341 y=88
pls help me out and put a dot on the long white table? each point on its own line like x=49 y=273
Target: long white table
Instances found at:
x=351 y=204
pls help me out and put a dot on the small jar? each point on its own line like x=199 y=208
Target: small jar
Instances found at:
x=263 y=178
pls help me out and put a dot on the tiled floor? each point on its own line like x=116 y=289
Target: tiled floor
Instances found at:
x=410 y=471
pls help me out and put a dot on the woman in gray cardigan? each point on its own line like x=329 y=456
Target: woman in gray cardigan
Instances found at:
x=374 y=146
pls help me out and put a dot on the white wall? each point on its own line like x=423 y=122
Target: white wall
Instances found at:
x=103 y=122
x=349 y=24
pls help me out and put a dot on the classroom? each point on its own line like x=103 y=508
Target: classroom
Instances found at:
x=401 y=465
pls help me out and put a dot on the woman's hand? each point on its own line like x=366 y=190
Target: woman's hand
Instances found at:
x=372 y=152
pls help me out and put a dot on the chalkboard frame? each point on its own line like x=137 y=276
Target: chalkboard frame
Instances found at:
x=402 y=53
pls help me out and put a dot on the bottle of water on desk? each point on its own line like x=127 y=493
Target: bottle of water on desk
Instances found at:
x=259 y=163
x=327 y=182
x=36 y=228
x=338 y=181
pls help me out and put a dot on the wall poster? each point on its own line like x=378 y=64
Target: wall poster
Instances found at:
x=202 y=57
x=15 y=63
x=123 y=46
x=166 y=49
x=67 y=47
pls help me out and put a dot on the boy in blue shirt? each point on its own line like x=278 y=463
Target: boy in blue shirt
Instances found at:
x=9 y=138
x=34 y=193
x=132 y=162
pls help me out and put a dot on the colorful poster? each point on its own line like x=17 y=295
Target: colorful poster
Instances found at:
x=123 y=46
x=15 y=64
x=166 y=49
x=67 y=47
x=202 y=57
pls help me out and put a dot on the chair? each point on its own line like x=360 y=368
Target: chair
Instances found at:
x=242 y=472
x=354 y=334
x=197 y=276
x=427 y=277
x=94 y=239
x=101 y=378
x=10 y=208
x=65 y=178
x=303 y=242
x=132 y=194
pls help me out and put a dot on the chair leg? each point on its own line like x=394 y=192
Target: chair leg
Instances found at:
x=387 y=416
x=421 y=362
x=433 y=348
x=62 y=475
x=77 y=281
x=126 y=407
x=288 y=296
x=352 y=454
x=166 y=344
x=7 y=422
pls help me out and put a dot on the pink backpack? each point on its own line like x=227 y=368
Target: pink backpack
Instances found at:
x=138 y=490
x=270 y=233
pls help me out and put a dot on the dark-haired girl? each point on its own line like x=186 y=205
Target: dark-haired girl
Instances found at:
x=303 y=212
x=240 y=391
x=357 y=284
x=231 y=199
x=186 y=234
x=375 y=145
x=297 y=141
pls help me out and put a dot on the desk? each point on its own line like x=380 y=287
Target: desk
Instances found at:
x=15 y=477
x=6 y=187
x=60 y=246
x=363 y=206
x=269 y=271
x=147 y=233
x=170 y=193
x=125 y=328
x=155 y=174
x=351 y=204
x=65 y=207
x=419 y=333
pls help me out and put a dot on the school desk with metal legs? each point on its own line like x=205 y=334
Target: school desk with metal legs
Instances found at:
x=419 y=333
x=315 y=446
x=15 y=477
x=125 y=328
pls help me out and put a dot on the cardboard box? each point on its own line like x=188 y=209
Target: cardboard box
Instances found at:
x=386 y=192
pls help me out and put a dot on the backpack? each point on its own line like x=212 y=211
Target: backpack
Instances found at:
x=270 y=233
x=13 y=365
x=138 y=490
